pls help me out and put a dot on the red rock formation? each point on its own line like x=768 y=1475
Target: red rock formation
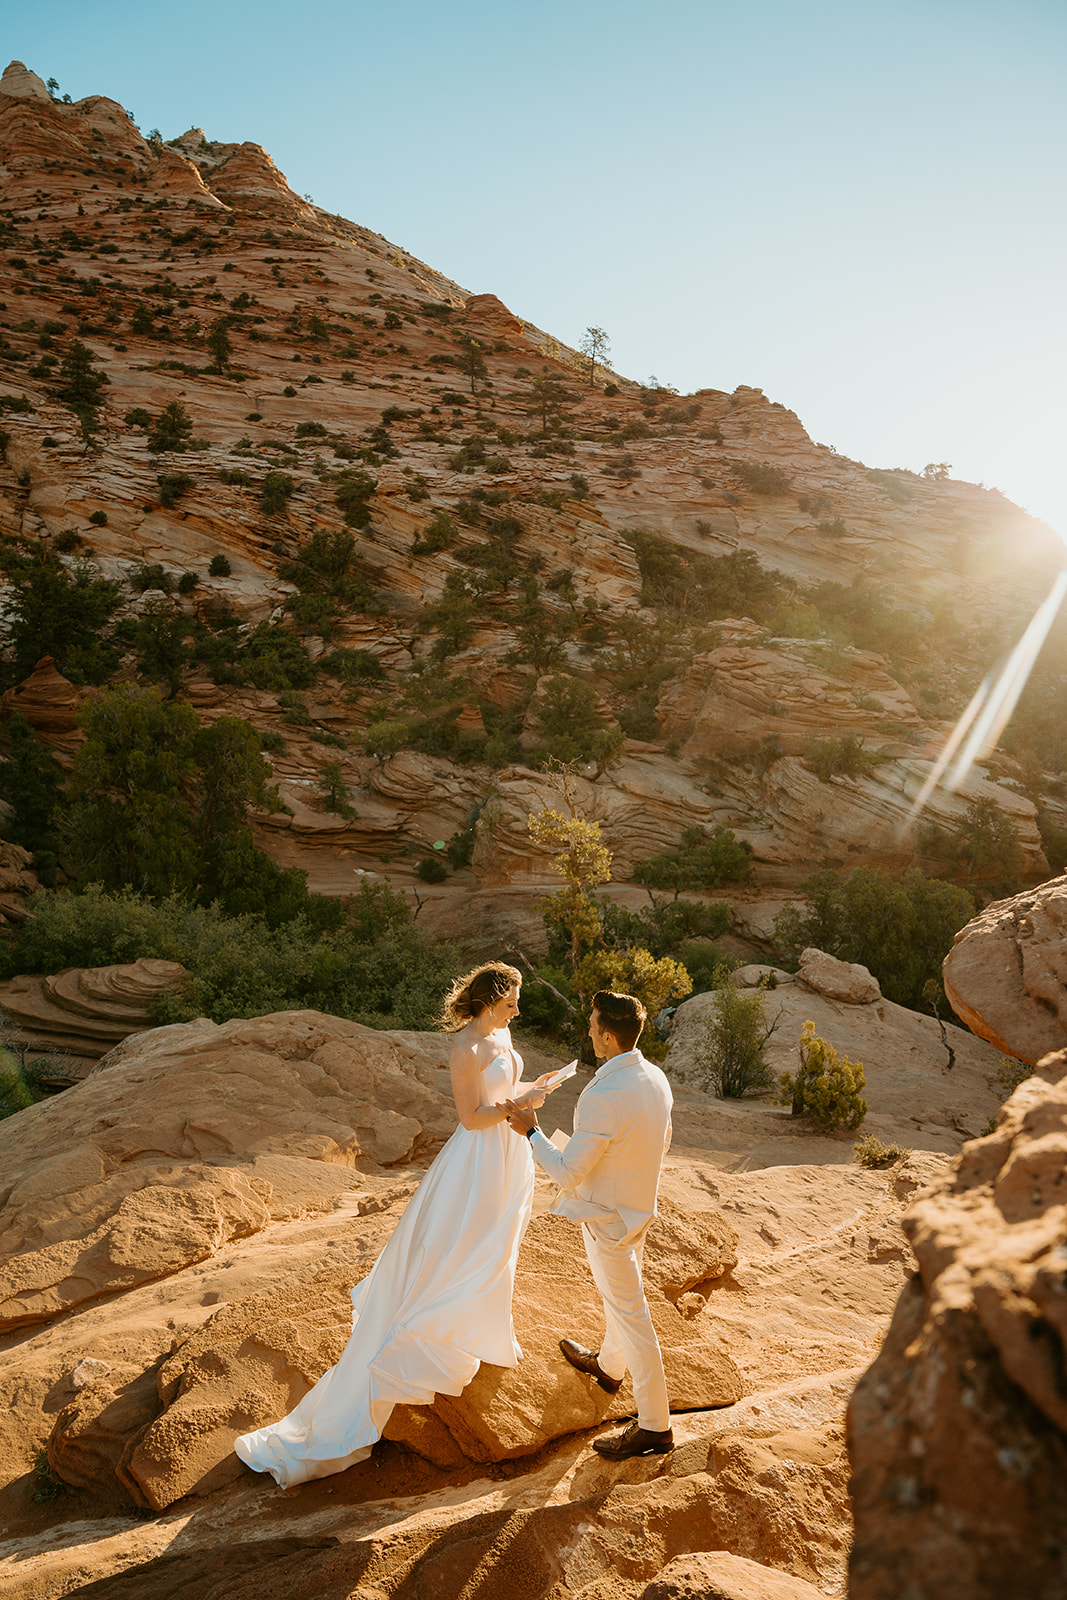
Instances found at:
x=49 y=702
x=1006 y=974
x=958 y=1432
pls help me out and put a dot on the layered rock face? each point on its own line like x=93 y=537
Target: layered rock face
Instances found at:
x=86 y=1011
x=1006 y=974
x=347 y=360
x=958 y=1432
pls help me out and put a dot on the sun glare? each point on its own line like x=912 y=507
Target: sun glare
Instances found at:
x=990 y=708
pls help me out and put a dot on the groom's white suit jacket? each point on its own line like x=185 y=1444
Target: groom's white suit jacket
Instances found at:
x=609 y=1173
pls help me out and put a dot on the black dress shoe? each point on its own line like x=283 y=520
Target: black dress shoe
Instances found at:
x=586 y=1361
x=635 y=1441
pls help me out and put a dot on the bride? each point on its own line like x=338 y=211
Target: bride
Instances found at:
x=437 y=1301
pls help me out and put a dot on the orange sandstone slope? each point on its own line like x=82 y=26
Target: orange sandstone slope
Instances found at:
x=347 y=358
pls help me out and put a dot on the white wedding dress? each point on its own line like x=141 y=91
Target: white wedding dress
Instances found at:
x=436 y=1303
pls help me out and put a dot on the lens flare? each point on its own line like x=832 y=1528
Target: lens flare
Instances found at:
x=987 y=715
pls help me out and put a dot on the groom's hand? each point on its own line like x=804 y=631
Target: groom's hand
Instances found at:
x=520 y=1118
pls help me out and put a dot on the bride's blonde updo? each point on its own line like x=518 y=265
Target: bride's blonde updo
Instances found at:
x=470 y=995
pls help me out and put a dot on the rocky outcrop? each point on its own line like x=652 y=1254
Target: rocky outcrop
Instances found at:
x=86 y=1011
x=140 y=1390
x=740 y=693
x=1006 y=974
x=191 y=1135
x=255 y=1359
x=958 y=1432
x=50 y=703
x=923 y=1090
x=18 y=81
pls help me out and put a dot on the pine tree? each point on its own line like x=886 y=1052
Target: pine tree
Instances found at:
x=81 y=384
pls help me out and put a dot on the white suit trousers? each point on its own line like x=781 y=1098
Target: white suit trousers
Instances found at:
x=630 y=1339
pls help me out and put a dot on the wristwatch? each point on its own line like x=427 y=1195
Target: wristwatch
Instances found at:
x=531 y=1131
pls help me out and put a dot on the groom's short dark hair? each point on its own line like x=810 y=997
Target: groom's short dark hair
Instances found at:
x=622 y=1015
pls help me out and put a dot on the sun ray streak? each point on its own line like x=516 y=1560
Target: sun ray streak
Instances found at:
x=990 y=708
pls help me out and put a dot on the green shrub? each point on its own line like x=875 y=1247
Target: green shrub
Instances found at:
x=730 y=1056
x=871 y=1152
x=1010 y=1074
x=840 y=756
x=81 y=385
x=431 y=869
x=172 y=485
x=352 y=666
x=98 y=519
x=31 y=784
x=275 y=492
x=353 y=491
x=333 y=790
x=700 y=588
x=369 y=963
x=187 y=582
x=386 y=736
x=572 y=727
x=761 y=478
x=655 y=981
x=271 y=657
x=219 y=567
x=983 y=845
x=46 y=1486
x=703 y=860
x=826 y=1086
x=150 y=576
x=438 y=534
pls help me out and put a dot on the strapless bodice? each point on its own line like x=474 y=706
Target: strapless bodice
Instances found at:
x=500 y=1078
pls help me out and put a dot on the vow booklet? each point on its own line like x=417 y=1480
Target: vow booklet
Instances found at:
x=556 y=1078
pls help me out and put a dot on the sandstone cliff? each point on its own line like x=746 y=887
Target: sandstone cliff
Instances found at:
x=349 y=367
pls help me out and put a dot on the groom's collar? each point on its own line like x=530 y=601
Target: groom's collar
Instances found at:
x=625 y=1058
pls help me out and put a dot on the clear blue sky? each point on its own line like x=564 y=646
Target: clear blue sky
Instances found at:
x=857 y=205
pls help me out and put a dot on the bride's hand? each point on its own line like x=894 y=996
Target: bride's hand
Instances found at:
x=533 y=1098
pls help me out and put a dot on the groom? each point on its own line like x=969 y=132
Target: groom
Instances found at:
x=608 y=1177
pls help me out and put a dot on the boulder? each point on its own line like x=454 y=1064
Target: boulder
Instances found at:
x=846 y=981
x=1006 y=974
x=192 y=1135
x=257 y=1357
x=958 y=1431
x=718 y=1575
